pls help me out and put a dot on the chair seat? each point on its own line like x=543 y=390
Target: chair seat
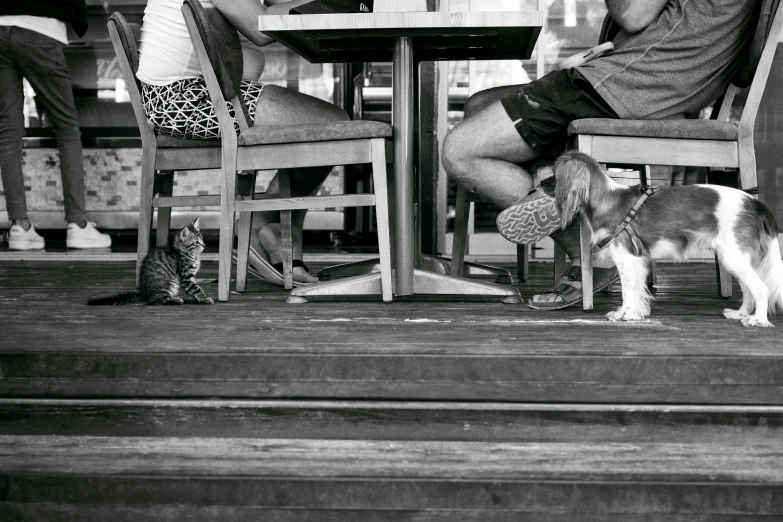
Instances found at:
x=675 y=129
x=170 y=142
x=338 y=131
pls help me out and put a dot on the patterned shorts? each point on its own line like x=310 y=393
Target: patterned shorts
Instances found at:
x=183 y=109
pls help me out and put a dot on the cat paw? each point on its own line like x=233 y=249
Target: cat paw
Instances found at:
x=175 y=301
x=761 y=322
x=207 y=301
x=736 y=315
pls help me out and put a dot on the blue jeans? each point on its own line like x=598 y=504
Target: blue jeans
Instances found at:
x=40 y=59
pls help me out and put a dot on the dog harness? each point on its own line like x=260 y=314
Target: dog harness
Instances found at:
x=625 y=226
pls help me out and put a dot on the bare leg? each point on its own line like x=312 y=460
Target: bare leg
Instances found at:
x=484 y=153
x=280 y=106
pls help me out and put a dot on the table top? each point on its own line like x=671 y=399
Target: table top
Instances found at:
x=365 y=37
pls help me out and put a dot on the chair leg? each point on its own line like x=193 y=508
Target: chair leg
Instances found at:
x=227 y=199
x=382 y=213
x=724 y=280
x=644 y=175
x=284 y=183
x=523 y=263
x=560 y=263
x=243 y=240
x=586 y=258
x=145 y=206
x=652 y=276
x=164 y=186
x=460 y=242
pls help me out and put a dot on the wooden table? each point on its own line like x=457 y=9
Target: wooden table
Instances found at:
x=405 y=39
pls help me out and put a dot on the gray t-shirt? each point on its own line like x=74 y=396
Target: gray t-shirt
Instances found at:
x=681 y=62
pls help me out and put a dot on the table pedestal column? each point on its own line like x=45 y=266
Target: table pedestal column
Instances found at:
x=403 y=122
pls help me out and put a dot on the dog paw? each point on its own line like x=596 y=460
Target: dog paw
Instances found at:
x=615 y=316
x=736 y=315
x=760 y=322
x=633 y=317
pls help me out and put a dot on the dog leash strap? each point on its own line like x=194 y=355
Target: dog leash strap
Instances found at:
x=625 y=226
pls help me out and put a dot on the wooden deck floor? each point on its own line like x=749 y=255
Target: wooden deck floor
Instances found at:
x=362 y=411
x=257 y=346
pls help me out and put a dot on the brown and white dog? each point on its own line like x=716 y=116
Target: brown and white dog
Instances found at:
x=672 y=224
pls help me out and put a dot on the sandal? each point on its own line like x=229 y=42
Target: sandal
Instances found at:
x=530 y=219
x=296 y=263
x=266 y=271
x=570 y=288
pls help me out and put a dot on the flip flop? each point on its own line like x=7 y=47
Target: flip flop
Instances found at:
x=570 y=292
x=530 y=219
x=266 y=271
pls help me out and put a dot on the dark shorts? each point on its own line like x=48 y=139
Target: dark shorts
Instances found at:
x=542 y=109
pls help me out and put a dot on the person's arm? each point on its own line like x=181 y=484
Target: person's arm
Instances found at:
x=243 y=15
x=635 y=15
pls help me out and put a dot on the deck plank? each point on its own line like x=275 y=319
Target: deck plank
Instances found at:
x=388 y=460
x=397 y=420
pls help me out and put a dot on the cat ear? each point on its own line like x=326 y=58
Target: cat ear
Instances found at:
x=195 y=223
x=184 y=233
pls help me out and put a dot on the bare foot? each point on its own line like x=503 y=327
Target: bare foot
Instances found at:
x=271 y=245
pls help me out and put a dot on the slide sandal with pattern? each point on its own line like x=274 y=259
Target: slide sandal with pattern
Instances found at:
x=530 y=219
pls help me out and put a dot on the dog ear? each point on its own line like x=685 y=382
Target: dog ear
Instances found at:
x=572 y=191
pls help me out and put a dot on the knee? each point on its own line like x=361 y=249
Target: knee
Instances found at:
x=456 y=154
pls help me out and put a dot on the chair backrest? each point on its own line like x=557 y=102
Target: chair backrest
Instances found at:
x=609 y=30
x=766 y=10
x=219 y=52
x=222 y=44
x=762 y=53
x=125 y=38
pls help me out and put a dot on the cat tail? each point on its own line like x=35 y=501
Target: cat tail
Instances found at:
x=121 y=298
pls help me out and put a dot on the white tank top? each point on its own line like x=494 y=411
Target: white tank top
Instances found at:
x=166 y=54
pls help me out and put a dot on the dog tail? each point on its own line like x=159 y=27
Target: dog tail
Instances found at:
x=771 y=272
x=121 y=298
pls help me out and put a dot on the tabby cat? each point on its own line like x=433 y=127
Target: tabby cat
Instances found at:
x=164 y=271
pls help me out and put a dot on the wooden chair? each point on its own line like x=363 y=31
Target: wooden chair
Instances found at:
x=161 y=155
x=715 y=143
x=279 y=147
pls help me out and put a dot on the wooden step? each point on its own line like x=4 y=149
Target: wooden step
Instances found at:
x=384 y=420
x=375 y=366
x=54 y=477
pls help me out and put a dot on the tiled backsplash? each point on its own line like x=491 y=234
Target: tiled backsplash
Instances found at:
x=112 y=181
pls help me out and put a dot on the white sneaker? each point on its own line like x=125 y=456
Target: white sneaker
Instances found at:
x=21 y=239
x=87 y=237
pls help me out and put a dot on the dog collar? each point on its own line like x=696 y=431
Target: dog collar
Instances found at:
x=625 y=226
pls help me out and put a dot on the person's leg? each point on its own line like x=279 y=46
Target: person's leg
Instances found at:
x=11 y=132
x=540 y=169
x=279 y=106
x=485 y=151
x=484 y=154
x=44 y=66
